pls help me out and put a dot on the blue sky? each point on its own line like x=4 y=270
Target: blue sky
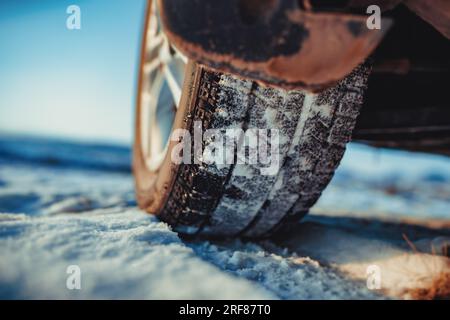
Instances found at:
x=77 y=84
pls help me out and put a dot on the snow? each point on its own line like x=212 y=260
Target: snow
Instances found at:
x=122 y=254
x=65 y=204
x=390 y=183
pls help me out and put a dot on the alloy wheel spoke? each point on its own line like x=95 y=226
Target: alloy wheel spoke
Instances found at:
x=156 y=42
x=150 y=67
x=178 y=55
x=174 y=87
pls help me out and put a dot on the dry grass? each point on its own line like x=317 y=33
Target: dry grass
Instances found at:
x=439 y=289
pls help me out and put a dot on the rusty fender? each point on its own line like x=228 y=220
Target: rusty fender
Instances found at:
x=270 y=41
x=435 y=12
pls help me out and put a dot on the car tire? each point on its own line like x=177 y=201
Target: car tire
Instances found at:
x=239 y=199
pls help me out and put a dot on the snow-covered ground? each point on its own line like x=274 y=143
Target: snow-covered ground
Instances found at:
x=65 y=204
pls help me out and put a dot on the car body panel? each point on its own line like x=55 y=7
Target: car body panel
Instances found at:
x=271 y=41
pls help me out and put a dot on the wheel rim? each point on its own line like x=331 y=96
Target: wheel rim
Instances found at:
x=162 y=78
